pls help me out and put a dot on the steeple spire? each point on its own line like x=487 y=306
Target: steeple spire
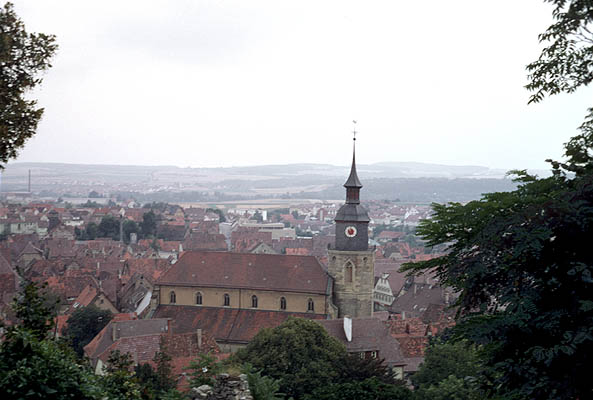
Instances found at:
x=353 y=184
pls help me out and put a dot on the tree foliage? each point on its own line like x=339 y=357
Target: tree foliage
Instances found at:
x=32 y=364
x=34 y=368
x=84 y=324
x=368 y=389
x=567 y=62
x=451 y=370
x=353 y=368
x=109 y=227
x=522 y=264
x=521 y=260
x=156 y=383
x=119 y=382
x=34 y=312
x=22 y=56
x=203 y=370
x=262 y=387
x=564 y=65
x=148 y=224
x=299 y=353
x=443 y=359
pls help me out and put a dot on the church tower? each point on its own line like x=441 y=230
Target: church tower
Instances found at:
x=350 y=262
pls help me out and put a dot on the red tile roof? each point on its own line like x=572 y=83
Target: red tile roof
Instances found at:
x=225 y=324
x=85 y=297
x=254 y=271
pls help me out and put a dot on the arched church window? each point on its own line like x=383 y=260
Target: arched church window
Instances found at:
x=172 y=297
x=254 y=301
x=348 y=272
x=199 y=298
x=227 y=300
x=283 y=303
x=310 y=305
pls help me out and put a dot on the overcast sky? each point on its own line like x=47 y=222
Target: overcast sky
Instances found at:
x=223 y=83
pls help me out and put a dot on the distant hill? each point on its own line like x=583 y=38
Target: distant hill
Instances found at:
x=407 y=181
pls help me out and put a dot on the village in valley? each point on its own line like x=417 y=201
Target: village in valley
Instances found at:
x=191 y=210
x=208 y=279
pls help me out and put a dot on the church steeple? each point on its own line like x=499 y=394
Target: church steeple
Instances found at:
x=353 y=184
x=352 y=219
x=351 y=263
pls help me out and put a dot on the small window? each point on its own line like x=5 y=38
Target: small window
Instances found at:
x=254 y=301
x=227 y=300
x=172 y=298
x=283 y=303
x=199 y=298
x=373 y=354
x=310 y=305
x=361 y=355
x=348 y=273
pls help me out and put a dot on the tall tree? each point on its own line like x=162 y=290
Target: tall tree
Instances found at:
x=148 y=224
x=564 y=65
x=22 y=56
x=299 y=353
x=521 y=260
x=32 y=364
x=84 y=324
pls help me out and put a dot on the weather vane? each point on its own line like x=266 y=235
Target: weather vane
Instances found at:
x=354 y=129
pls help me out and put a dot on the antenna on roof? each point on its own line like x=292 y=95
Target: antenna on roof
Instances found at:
x=354 y=130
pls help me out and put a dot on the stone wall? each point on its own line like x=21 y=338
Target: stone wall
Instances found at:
x=353 y=292
x=226 y=388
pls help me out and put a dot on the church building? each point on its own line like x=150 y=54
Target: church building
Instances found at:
x=234 y=295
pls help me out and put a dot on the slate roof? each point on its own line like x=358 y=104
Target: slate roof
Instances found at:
x=103 y=339
x=125 y=326
x=225 y=324
x=417 y=299
x=8 y=277
x=253 y=271
x=368 y=334
x=353 y=181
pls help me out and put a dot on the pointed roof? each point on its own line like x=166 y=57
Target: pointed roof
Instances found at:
x=353 y=181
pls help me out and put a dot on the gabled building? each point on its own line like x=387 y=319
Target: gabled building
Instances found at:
x=368 y=338
x=247 y=281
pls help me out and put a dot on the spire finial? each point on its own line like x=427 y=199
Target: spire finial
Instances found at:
x=353 y=178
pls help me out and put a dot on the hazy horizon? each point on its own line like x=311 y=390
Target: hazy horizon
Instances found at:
x=231 y=83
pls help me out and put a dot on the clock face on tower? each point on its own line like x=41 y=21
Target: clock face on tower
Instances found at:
x=350 y=231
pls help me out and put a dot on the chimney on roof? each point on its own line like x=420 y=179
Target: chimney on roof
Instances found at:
x=403 y=315
x=113 y=332
x=447 y=299
x=199 y=335
x=348 y=327
x=169 y=330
